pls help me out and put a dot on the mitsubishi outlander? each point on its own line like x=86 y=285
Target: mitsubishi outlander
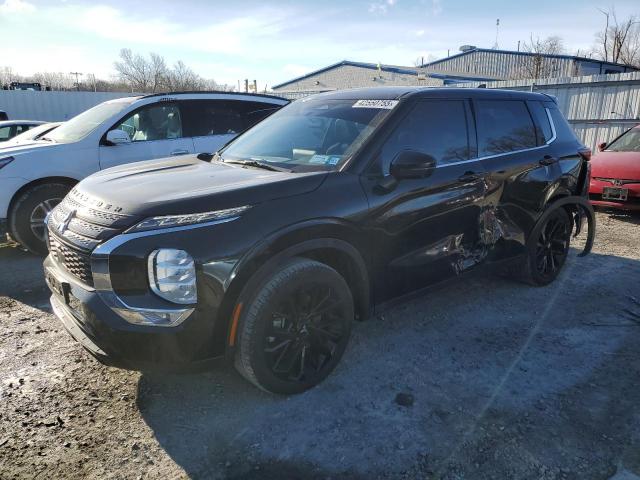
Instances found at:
x=265 y=252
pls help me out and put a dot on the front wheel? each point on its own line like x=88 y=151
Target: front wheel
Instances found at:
x=548 y=252
x=29 y=212
x=295 y=327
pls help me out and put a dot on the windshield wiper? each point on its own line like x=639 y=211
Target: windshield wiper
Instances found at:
x=256 y=164
x=47 y=139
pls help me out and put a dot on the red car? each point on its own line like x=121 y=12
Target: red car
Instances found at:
x=615 y=172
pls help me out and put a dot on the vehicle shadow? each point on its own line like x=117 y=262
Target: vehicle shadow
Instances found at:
x=507 y=380
x=22 y=277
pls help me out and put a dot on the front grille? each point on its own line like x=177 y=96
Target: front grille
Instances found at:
x=76 y=263
x=77 y=226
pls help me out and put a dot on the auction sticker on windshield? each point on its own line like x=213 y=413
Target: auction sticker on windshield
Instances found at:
x=386 y=104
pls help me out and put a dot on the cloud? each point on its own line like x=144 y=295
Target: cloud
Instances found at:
x=15 y=7
x=436 y=7
x=419 y=33
x=296 y=70
x=381 y=7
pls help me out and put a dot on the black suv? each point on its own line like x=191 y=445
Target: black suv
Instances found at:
x=266 y=251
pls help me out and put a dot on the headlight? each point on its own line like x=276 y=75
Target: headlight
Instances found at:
x=5 y=161
x=167 y=221
x=172 y=275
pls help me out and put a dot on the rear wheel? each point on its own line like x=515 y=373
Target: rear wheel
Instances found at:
x=29 y=212
x=295 y=327
x=548 y=252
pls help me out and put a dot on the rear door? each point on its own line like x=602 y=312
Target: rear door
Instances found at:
x=513 y=141
x=424 y=230
x=155 y=130
x=213 y=123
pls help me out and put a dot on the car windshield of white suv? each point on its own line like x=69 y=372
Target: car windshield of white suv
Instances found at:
x=629 y=142
x=310 y=134
x=82 y=125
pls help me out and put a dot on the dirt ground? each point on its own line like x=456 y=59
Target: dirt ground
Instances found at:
x=507 y=381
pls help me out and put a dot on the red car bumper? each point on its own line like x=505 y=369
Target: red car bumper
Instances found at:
x=631 y=203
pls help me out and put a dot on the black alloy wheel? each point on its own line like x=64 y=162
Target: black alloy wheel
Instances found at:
x=548 y=255
x=295 y=327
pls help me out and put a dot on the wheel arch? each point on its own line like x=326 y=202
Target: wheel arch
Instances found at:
x=333 y=243
x=34 y=183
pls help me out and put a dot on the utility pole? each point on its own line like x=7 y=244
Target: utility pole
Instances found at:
x=77 y=75
x=495 y=46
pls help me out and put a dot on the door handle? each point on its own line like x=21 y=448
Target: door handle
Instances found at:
x=468 y=177
x=548 y=160
x=179 y=152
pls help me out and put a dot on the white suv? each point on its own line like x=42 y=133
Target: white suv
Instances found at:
x=36 y=176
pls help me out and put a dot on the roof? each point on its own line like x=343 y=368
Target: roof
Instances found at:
x=371 y=66
x=9 y=123
x=511 y=52
x=215 y=92
x=395 y=93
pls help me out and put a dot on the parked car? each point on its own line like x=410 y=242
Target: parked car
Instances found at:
x=332 y=208
x=31 y=135
x=615 y=172
x=10 y=128
x=35 y=177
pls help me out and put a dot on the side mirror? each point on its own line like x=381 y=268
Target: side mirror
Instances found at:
x=117 y=137
x=602 y=146
x=412 y=164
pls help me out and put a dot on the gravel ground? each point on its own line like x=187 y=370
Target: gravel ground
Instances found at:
x=496 y=380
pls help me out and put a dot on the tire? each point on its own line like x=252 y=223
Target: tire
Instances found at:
x=547 y=254
x=32 y=206
x=284 y=349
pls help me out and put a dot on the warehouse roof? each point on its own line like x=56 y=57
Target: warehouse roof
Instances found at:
x=372 y=66
x=511 y=52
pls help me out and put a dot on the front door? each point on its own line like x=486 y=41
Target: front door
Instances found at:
x=155 y=131
x=425 y=229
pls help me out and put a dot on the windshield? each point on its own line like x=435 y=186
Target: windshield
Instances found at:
x=81 y=125
x=311 y=134
x=628 y=142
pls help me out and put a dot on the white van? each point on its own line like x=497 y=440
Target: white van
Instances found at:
x=35 y=177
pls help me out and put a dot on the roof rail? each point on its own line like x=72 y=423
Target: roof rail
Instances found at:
x=217 y=92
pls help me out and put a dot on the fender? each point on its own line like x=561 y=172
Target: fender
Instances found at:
x=325 y=234
x=580 y=208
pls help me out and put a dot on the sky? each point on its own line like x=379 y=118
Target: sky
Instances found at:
x=275 y=41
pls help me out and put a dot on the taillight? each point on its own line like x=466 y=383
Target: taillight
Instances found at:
x=585 y=153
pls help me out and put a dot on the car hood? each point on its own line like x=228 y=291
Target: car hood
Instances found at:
x=188 y=185
x=623 y=165
x=23 y=148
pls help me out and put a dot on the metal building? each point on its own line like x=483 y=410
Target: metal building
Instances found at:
x=472 y=64
x=505 y=65
x=349 y=74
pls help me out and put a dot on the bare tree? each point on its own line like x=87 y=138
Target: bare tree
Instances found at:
x=7 y=75
x=619 y=42
x=54 y=80
x=134 y=70
x=181 y=77
x=540 y=64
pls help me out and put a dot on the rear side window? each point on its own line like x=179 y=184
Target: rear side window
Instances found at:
x=541 y=121
x=5 y=133
x=563 y=130
x=213 y=117
x=503 y=126
x=435 y=127
x=255 y=112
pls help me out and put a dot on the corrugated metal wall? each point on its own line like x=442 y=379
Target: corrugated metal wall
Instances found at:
x=599 y=107
x=50 y=106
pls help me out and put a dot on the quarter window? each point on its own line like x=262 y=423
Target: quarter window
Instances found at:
x=541 y=121
x=5 y=133
x=154 y=122
x=503 y=126
x=435 y=127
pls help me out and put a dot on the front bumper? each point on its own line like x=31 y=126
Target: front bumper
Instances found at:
x=115 y=342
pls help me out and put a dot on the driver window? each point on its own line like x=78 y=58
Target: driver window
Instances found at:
x=155 y=122
x=435 y=127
